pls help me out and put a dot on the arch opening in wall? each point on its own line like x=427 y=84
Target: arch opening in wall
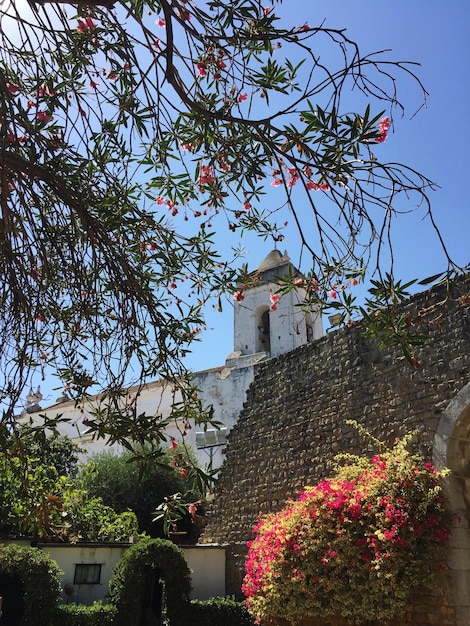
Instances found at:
x=309 y=334
x=263 y=330
x=452 y=450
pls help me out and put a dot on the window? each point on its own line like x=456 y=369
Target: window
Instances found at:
x=87 y=574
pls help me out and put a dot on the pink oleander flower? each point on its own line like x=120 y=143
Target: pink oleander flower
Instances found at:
x=201 y=69
x=43 y=117
x=246 y=206
x=173 y=443
x=242 y=97
x=86 y=24
x=224 y=165
x=12 y=88
x=293 y=177
x=276 y=182
x=274 y=297
x=333 y=294
x=384 y=126
x=206 y=175
x=311 y=185
x=45 y=91
x=238 y=296
x=160 y=22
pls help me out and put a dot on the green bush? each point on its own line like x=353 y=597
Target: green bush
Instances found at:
x=126 y=587
x=98 y=614
x=118 y=482
x=39 y=576
x=218 y=612
x=89 y=519
x=355 y=545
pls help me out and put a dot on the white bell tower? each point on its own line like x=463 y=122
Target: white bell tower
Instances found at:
x=260 y=328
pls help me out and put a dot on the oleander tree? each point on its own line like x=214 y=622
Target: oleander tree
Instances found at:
x=131 y=132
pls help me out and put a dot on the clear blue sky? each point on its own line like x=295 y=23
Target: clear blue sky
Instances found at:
x=436 y=35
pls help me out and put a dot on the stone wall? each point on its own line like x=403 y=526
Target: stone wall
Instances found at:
x=294 y=419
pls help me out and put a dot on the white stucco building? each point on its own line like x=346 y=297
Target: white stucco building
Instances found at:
x=260 y=333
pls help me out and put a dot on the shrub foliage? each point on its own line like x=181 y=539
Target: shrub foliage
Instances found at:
x=218 y=611
x=40 y=579
x=126 y=587
x=354 y=545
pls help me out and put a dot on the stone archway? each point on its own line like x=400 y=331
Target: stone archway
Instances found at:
x=452 y=450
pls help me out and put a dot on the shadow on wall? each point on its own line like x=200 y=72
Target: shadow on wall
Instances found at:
x=452 y=450
x=11 y=592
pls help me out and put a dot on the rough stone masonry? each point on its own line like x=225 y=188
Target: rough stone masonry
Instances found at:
x=294 y=422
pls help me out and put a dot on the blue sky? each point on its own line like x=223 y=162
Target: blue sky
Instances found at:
x=430 y=32
x=436 y=35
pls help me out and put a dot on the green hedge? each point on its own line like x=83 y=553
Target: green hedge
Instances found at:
x=98 y=614
x=39 y=577
x=126 y=586
x=218 y=612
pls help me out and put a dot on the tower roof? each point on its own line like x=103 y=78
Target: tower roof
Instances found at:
x=274 y=265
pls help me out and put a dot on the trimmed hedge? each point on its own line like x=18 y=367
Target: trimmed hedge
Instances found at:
x=98 y=614
x=218 y=612
x=126 y=586
x=39 y=576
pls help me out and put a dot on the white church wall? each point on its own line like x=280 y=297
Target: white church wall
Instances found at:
x=256 y=338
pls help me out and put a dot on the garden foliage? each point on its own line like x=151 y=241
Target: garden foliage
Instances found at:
x=127 y=585
x=39 y=577
x=354 y=545
x=217 y=612
x=98 y=614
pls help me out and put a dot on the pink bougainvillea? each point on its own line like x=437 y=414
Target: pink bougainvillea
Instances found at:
x=353 y=545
